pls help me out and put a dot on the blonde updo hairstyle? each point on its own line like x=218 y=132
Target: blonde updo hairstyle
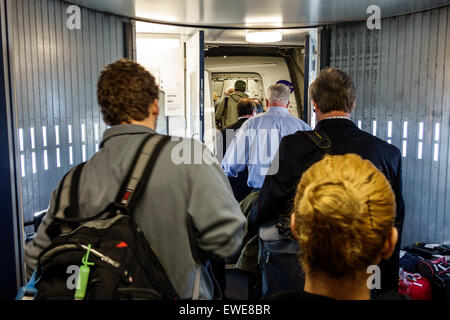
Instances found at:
x=344 y=211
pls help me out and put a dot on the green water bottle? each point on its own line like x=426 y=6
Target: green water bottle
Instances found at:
x=83 y=276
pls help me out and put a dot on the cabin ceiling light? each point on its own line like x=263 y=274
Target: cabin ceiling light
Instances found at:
x=263 y=36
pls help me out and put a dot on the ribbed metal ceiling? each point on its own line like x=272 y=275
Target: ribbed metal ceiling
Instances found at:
x=257 y=13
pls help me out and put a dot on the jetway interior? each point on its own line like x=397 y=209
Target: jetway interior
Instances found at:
x=162 y=50
x=262 y=13
x=53 y=121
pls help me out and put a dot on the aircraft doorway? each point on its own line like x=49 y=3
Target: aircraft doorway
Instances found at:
x=213 y=62
x=258 y=72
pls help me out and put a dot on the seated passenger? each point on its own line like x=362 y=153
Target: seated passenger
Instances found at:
x=226 y=113
x=184 y=227
x=246 y=110
x=334 y=98
x=256 y=143
x=343 y=218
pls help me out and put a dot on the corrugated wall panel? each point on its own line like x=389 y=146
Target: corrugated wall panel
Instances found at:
x=55 y=72
x=403 y=96
x=444 y=158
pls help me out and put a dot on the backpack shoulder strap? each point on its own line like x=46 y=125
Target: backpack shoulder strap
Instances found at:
x=140 y=170
x=139 y=174
x=225 y=107
x=64 y=196
x=320 y=139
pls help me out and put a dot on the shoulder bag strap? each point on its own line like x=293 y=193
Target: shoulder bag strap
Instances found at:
x=224 y=117
x=320 y=139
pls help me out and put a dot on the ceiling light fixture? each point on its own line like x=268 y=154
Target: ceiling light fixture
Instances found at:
x=264 y=36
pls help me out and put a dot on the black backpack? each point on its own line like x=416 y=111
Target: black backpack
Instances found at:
x=437 y=270
x=116 y=260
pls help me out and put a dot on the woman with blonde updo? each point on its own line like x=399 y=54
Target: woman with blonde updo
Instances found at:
x=343 y=218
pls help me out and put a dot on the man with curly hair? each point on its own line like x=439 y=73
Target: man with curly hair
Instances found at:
x=187 y=212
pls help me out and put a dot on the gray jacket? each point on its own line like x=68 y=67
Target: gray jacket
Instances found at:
x=188 y=212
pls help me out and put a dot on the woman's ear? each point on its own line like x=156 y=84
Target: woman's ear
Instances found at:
x=294 y=232
x=389 y=244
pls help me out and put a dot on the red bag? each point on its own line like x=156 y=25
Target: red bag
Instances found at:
x=415 y=286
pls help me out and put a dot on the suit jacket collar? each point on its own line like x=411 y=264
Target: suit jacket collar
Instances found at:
x=326 y=123
x=239 y=122
x=236 y=124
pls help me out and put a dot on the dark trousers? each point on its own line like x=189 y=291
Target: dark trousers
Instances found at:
x=218 y=270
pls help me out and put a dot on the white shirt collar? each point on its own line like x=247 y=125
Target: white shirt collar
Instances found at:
x=337 y=117
x=277 y=109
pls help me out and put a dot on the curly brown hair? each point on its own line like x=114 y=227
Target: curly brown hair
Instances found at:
x=333 y=90
x=125 y=91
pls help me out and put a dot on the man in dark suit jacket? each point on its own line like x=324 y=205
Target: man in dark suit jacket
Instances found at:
x=246 y=110
x=334 y=98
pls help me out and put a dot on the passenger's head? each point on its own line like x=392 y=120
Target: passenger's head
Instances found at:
x=127 y=92
x=343 y=217
x=229 y=90
x=245 y=107
x=278 y=95
x=240 y=85
x=215 y=96
x=259 y=106
x=333 y=90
